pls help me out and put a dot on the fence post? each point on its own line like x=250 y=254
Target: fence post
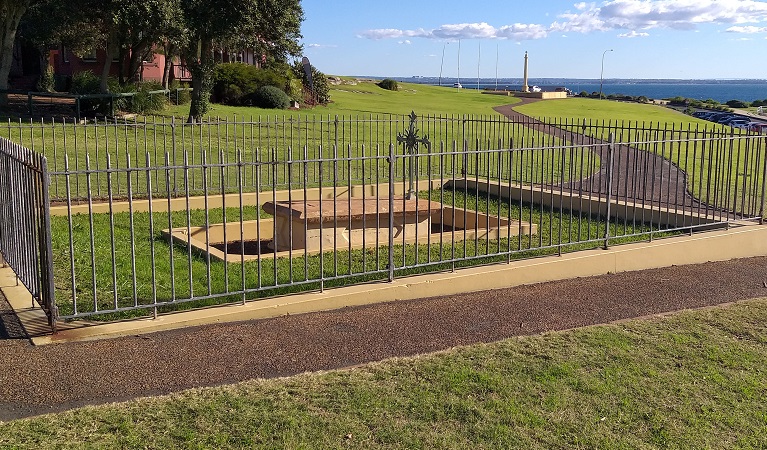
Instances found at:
x=335 y=126
x=173 y=144
x=610 y=174
x=77 y=107
x=764 y=190
x=46 y=248
x=29 y=102
x=465 y=156
x=391 y=211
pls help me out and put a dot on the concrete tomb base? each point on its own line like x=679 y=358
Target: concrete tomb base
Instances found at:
x=311 y=226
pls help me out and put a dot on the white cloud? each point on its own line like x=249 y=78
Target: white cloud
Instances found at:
x=633 y=34
x=750 y=29
x=522 y=32
x=393 y=33
x=465 y=31
x=405 y=42
x=634 y=16
x=452 y=32
x=321 y=46
x=679 y=14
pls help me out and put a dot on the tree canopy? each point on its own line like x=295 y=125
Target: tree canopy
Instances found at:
x=270 y=27
x=129 y=30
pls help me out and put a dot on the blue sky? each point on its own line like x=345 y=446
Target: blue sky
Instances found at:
x=724 y=39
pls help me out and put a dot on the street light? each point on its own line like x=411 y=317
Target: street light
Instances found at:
x=602 y=73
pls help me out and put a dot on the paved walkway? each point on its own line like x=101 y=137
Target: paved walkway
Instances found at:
x=640 y=176
x=37 y=380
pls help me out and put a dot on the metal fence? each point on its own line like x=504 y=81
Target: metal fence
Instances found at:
x=156 y=216
x=25 y=231
x=41 y=103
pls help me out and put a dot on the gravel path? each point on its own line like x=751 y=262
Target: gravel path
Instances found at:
x=37 y=380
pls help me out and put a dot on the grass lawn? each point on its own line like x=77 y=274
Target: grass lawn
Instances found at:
x=365 y=98
x=133 y=269
x=738 y=159
x=369 y=120
x=608 y=110
x=691 y=380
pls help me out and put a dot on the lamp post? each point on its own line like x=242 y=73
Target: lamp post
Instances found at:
x=602 y=73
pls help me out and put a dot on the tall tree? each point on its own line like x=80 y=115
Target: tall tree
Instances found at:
x=11 y=12
x=271 y=26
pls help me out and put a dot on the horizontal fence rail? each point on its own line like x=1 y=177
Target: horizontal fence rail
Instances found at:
x=25 y=235
x=158 y=215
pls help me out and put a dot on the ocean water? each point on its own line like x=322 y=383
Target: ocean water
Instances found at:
x=719 y=90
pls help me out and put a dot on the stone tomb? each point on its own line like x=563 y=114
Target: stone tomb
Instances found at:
x=299 y=227
x=315 y=225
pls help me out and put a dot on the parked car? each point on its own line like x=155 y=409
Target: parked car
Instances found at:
x=737 y=122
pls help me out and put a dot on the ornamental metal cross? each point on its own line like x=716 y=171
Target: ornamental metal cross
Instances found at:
x=411 y=140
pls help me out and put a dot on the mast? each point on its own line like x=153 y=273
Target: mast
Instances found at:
x=479 y=60
x=459 y=62
x=496 y=66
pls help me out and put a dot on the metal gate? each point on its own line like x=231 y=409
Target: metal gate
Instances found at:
x=25 y=224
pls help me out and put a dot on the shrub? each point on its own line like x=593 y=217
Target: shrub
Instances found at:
x=268 y=97
x=180 y=97
x=737 y=104
x=85 y=83
x=143 y=102
x=234 y=82
x=389 y=84
x=583 y=94
x=88 y=83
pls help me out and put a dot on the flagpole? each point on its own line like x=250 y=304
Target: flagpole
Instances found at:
x=479 y=60
x=496 y=66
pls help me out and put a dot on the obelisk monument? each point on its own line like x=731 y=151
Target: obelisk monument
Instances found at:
x=525 y=88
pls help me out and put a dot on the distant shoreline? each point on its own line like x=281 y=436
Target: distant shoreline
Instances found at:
x=555 y=81
x=721 y=91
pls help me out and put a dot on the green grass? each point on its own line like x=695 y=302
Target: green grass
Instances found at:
x=692 y=380
x=369 y=119
x=190 y=275
x=737 y=159
x=607 y=110
x=366 y=98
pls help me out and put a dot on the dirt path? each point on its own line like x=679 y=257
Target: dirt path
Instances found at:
x=37 y=380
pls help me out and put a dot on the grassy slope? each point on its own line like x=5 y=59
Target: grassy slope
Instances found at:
x=692 y=380
x=586 y=108
x=744 y=159
x=367 y=98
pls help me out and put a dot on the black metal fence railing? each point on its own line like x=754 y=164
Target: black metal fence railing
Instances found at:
x=37 y=100
x=25 y=231
x=153 y=216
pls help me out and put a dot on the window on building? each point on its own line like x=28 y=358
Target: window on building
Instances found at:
x=89 y=55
